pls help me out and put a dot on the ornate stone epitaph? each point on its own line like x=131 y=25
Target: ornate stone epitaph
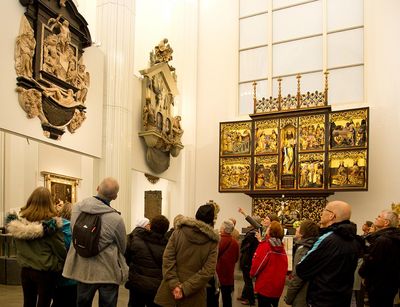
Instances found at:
x=162 y=130
x=52 y=81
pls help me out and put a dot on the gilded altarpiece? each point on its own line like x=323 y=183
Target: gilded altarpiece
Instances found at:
x=294 y=153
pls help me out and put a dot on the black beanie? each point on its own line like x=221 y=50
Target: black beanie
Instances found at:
x=205 y=213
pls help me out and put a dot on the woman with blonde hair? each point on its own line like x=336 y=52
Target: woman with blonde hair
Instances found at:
x=40 y=247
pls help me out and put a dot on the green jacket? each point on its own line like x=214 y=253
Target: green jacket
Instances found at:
x=189 y=259
x=40 y=245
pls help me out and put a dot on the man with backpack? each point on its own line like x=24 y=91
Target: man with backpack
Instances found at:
x=96 y=257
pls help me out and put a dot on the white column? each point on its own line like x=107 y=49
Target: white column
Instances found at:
x=115 y=34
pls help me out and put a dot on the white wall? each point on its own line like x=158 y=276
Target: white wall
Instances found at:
x=382 y=81
x=217 y=101
x=12 y=118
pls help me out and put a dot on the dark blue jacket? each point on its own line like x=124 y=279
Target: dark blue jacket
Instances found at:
x=330 y=266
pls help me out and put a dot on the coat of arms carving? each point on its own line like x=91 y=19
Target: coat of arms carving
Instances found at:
x=52 y=81
x=162 y=130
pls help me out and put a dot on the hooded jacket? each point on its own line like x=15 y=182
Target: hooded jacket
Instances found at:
x=144 y=256
x=297 y=288
x=40 y=245
x=330 y=266
x=189 y=260
x=381 y=267
x=269 y=267
x=109 y=265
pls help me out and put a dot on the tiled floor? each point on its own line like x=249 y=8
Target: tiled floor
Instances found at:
x=11 y=296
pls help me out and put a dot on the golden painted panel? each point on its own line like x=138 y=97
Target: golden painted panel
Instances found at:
x=266 y=173
x=266 y=137
x=235 y=138
x=311 y=171
x=288 y=149
x=348 y=169
x=348 y=129
x=235 y=174
x=312 y=133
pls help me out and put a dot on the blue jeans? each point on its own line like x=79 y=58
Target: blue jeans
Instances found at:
x=108 y=294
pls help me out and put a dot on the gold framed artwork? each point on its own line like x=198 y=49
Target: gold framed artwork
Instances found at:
x=311 y=171
x=348 y=129
x=63 y=188
x=293 y=152
x=235 y=138
x=266 y=172
x=266 y=137
x=312 y=133
x=348 y=169
x=235 y=174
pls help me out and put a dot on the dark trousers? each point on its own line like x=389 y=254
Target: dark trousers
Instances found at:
x=38 y=287
x=381 y=297
x=226 y=293
x=140 y=299
x=65 y=296
x=212 y=297
x=248 y=291
x=108 y=294
x=264 y=301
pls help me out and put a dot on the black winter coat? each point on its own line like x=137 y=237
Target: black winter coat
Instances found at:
x=247 y=249
x=144 y=255
x=330 y=266
x=381 y=267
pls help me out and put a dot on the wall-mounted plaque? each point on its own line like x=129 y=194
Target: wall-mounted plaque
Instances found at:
x=235 y=174
x=235 y=138
x=52 y=81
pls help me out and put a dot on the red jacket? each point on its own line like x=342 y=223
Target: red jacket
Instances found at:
x=228 y=254
x=269 y=266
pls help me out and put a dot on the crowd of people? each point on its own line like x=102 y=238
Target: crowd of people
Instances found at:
x=192 y=264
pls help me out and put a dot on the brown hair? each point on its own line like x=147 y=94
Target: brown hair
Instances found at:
x=65 y=211
x=275 y=230
x=309 y=229
x=39 y=206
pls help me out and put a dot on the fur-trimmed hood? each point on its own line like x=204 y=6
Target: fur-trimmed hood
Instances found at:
x=197 y=231
x=23 y=229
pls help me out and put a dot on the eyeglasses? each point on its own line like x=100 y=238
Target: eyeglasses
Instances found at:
x=330 y=211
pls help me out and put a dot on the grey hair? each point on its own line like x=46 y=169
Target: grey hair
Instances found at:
x=392 y=217
x=108 y=188
x=227 y=226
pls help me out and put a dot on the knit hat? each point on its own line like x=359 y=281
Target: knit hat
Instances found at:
x=143 y=222
x=205 y=213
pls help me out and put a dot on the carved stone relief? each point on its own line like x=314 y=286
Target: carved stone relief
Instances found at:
x=52 y=81
x=162 y=130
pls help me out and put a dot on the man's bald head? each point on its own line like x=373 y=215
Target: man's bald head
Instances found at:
x=335 y=211
x=108 y=189
x=341 y=209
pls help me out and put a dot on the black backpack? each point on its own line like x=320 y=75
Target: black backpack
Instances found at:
x=86 y=234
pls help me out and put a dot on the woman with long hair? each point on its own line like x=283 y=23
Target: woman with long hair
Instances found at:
x=40 y=247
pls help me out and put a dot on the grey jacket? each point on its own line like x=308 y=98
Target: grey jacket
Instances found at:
x=297 y=288
x=189 y=259
x=109 y=265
